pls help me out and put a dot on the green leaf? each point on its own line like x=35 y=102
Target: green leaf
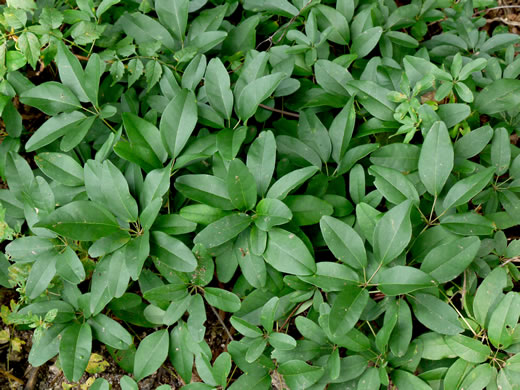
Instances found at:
x=402 y=333
x=81 y=220
x=464 y=190
x=218 y=88
x=153 y=72
x=307 y=209
x=178 y=121
x=300 y=375
x=69 y=266
x=271 y=212
x=374 y=98
x=174 y=15
x=393 y=185
x=256 y=349
x=146 y=138
x=242 y=38
x=468 y=224
x=405 y=380
x=478 y=378
x=110 y=332
x=341 y=130
x=297 y=151
x=51 y=98
x=313 y=133
x=46 y=346
x=241 y=185
x=206 y=189
x=41 y=274
x=436 y=314
x=255 y=93
x=151 y=354
x=400 y=280
x=472 y=143
x=245 y=328
x=328 y=16
x=489 y=294
x=146 y=30
x=501 y=151
x=60 y=167
x=436 y=158
x=117 y=194
x=104 y=6
x=75 y=347
x=344 y=242
x=284 y=185
x=173 y=252
x=503 y=320
x=261 y=159
x=222 y=299
x=471 y=350
x=347 y=309
x=365 y=42
x=392 y=233
x=282 y=341
x=71 y=72
x=223 y=230
x=499 y=96
x=30 y=47
x=135 y=71
x=447 y=261
x=286 y=252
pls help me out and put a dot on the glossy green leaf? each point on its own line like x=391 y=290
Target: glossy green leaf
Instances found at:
x=151 y=354
x=286 y=252
x=435 y=314
x=344 y=242
x=392 y=233
x=347 y=309
x=75 y=347
x=223 y=230
x=400 y=280
x=178 y=121
x=436 y=158
x=81 y=220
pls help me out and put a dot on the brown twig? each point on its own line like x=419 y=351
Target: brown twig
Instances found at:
x=32 y=377
x=496 y=8
x=11 y=376
x=287 y=113
x=284 y=27
x=515 y=259
x=222 y=323
x=81 y=58
x=503 y=20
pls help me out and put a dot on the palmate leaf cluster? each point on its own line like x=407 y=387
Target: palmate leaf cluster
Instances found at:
x=336 y=180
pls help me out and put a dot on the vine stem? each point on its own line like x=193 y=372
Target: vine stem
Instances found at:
x=222 y=323
x=287 y=113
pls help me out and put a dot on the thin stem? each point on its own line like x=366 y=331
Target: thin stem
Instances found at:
x=287 y=113
x=222 y=323
x=496 y=8
x=459 y=313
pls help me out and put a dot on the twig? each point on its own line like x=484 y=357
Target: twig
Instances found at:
x=511 y=260
x=290 y=315
x=11 y=376
x=287 y=113
x=80 y=57
x=496 y=8
x=33 y=376
x=285 y=27
x=222 y=323
x=503 y=20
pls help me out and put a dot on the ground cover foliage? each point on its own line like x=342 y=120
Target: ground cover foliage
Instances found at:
x=335 y=182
